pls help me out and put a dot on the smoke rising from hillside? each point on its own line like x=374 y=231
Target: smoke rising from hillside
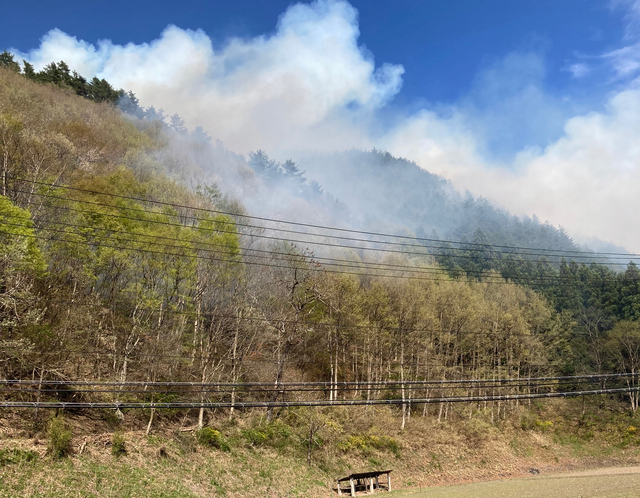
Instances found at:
x=309 y=83
x=310 y=86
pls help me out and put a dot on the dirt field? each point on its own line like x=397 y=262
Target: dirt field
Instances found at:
x=621 y=482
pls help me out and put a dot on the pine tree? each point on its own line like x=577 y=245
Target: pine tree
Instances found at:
x=129 y=104
x=200 y=136
x=6 y=61
x=29 y=72
x=101 y=91
x=177 y=124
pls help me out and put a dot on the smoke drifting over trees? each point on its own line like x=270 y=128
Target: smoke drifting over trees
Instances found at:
x=133 y=248
x=310 y=85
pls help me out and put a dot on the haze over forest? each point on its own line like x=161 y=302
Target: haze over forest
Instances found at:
x=213 y=250
x=509 y=140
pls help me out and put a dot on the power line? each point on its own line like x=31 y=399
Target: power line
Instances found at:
x=548 y=253
x=283 y=390
x=283 y=239
x=312 y=403
x=501 y=280
x=322 y=227
x=323 y=244
x=340 y=263
x=420 y=270
x=562 y=378
x=235 y=224
x=213 y=244
x=270 y=252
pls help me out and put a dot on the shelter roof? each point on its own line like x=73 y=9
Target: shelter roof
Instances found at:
x=363 y=475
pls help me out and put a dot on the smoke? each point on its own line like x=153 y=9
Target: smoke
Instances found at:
x=310 y=86
x=585 y=181
x=309 y=83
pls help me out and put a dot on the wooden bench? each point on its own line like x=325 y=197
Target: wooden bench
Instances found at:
x=365 y=483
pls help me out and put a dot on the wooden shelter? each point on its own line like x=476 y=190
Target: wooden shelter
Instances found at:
x=365 y=483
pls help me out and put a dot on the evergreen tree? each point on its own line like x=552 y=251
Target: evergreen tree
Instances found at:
x=29 y=72
x=6 y=61
x=101 y=91
x=151 y=114
x=629 y=301
x=79 y=85
x=177 y=124
x=200 y=136
x=129 y=104
x=291 y=170
x=262 y=165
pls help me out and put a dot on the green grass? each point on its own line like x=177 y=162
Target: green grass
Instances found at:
x=90 y=479
x=16 y=456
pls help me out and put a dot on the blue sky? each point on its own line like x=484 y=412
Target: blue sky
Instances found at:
x=441 y=43
x=534 y=104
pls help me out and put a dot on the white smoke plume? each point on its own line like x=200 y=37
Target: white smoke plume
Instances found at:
x=310 y=86
x=308 y=83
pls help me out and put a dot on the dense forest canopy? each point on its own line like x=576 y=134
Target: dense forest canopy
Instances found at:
x=128 y=250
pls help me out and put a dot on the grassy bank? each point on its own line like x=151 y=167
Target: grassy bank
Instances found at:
x=250 y=456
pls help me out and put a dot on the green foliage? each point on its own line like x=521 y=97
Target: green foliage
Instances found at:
x=118 y=444
x=275 y=434
x=16 y=456
x=97 y=90
x=6 y=61
x=365 y=443
x=212 y=438
x=18 y=245
x=164 y=290
x=29 y=71
x=285 y=174
x=59 y=435
x=256 y=436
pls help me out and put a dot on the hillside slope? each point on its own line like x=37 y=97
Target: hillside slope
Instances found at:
x=377 y=186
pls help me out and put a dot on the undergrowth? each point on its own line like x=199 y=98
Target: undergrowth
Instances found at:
x=250 y=454
x=60 y=436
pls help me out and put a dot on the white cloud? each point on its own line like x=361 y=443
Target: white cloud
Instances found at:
x=631 y=10
x=586 y=181
x=305 y=84
x=625 y=61
x=309 y=85
x=579 y=70
x=57 y=45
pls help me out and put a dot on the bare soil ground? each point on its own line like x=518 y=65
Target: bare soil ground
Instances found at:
x=613 y=482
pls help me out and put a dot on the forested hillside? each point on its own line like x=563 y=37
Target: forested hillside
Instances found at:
x=131 y=250
x=379 y=187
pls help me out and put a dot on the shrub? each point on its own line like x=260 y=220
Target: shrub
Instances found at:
x=59 y=438
x=367 y=442
x=544 y=425
x=118 y=445
x=212 y=438
x=475 y=432
x=8 y=457
x=256 y=436
x=275 y=434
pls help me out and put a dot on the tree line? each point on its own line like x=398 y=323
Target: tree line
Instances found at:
x=131 y=275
